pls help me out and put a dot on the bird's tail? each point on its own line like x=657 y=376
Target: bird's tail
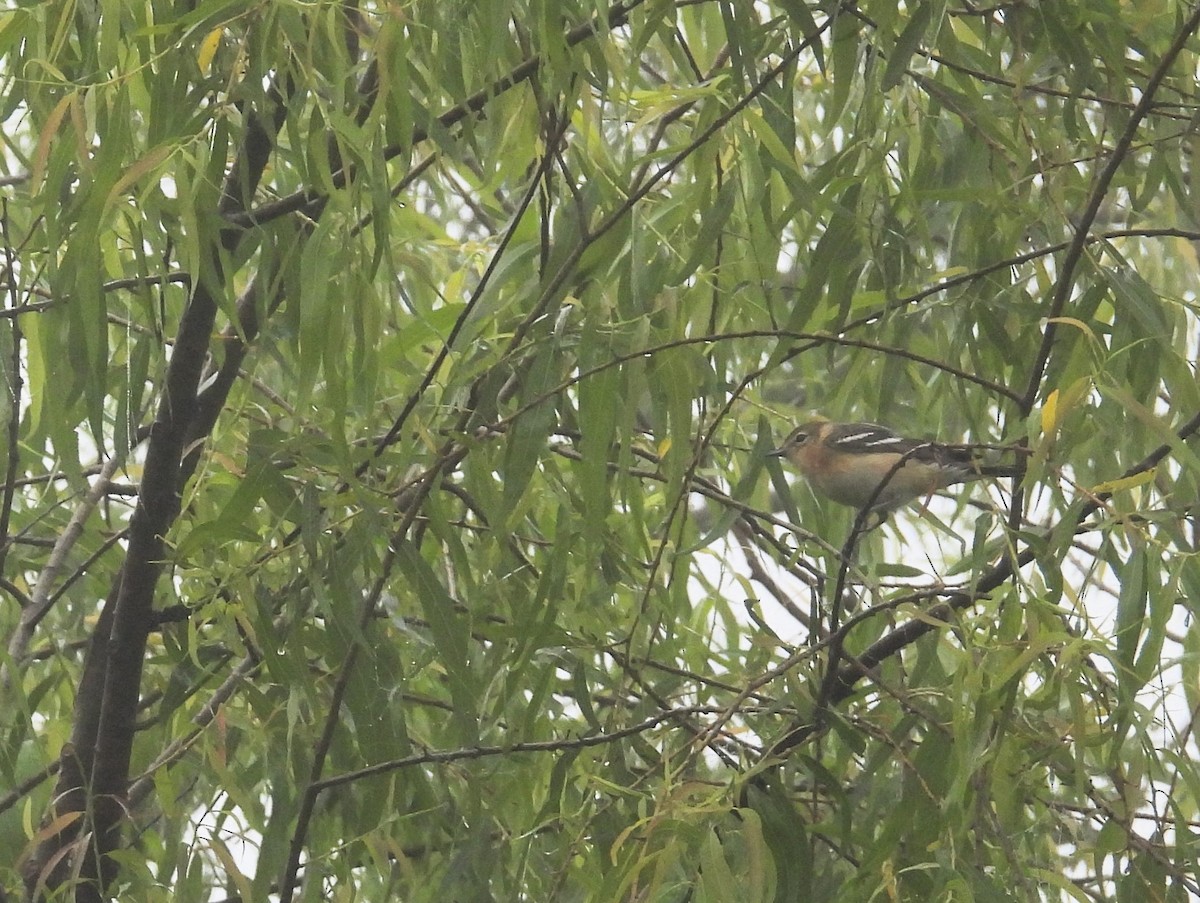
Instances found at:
x=992 y=471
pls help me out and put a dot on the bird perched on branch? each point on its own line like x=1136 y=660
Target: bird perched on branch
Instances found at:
x=865 y=464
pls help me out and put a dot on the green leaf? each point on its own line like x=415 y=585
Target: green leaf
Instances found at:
x=843 y=64
x=906 y=45
x=449 y=632
x=716 y=880
x=316 y=306
x=798 y=12
x=527 y=438
x=599 y=402
x=1131 y=614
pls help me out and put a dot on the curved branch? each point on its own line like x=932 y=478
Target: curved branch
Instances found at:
x=485 y=752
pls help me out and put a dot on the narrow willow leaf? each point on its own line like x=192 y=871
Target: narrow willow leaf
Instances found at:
x=449 y=632
x=716 y=879
x=906 y=45
x=526 y=443
x=843 y=67
x=1131 y=615
x=1161 y=597
x=798 y=11
x=208 y=49
x=153 y=158
x=315 y=309
x=47 y=137
x=599 y=398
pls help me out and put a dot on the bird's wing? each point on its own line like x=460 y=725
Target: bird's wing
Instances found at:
x=871 y=438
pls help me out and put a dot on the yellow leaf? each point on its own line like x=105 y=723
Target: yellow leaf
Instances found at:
x=1059 y=405
x=49 y=131
x=148 y=163
x=228 y=463
x=1050 y=414
x=1123 y=483
x=233 y=873
x=208 y=49
x=1073 y=321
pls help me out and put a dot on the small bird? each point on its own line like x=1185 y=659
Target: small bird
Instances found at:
x=848 y=462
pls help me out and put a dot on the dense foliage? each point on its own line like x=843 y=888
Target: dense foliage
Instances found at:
x=384 y=505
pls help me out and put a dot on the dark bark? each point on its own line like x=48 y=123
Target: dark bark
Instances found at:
x=94 y=766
